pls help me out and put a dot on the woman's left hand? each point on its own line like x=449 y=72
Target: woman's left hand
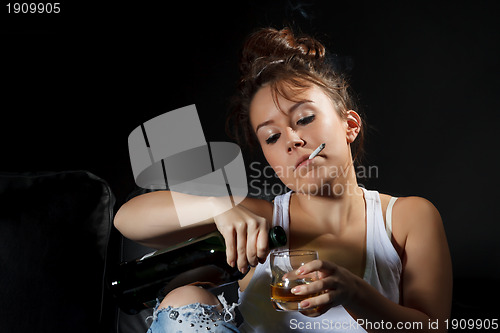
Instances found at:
x=336 y=285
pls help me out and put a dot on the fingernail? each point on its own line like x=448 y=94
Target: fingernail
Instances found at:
x=295 y=290
x=243 y=270
x=304 y=304
x=231 y=264
x=300 y=271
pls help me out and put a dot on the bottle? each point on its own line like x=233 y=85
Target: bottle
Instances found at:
x=138 y=284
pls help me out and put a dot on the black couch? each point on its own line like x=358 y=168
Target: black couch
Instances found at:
x=57 y=243
x=55 y=230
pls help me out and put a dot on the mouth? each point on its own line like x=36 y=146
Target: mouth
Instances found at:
x=303 y=161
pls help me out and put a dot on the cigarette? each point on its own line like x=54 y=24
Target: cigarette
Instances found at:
x=317 y=151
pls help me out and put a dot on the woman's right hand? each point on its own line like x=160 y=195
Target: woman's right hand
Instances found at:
x=246 y=237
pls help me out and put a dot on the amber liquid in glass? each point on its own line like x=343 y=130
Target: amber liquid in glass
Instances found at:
x=282 y=297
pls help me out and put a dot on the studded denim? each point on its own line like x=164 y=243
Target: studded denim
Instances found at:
x=191 y=318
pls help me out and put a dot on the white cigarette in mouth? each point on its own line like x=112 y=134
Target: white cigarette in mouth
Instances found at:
x=317 y=151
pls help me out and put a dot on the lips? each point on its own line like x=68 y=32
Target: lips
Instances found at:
x=302 y=161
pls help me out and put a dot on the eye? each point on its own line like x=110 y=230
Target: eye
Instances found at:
x=273 y=138
x=306 y=120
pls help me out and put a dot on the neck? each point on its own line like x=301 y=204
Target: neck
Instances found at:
x=338 y=204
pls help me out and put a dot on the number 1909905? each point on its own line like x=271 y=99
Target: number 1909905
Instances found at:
x=33 y=8
x=472 y=324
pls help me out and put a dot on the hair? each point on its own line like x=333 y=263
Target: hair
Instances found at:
x=289 y=64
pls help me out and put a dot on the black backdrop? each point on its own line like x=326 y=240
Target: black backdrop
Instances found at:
x=75 y=84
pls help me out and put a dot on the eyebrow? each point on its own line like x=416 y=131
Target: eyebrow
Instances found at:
x=292 y=109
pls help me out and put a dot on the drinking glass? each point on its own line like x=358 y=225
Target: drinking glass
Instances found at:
x=284 y=265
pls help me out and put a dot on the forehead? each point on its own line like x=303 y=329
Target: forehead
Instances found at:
x=267 y=103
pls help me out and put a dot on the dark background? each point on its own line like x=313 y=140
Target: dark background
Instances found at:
x=75 y=84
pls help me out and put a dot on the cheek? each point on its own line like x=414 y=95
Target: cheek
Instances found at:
x=330 y=126
x=277 y=164
x=271 y=158
x=332 y=130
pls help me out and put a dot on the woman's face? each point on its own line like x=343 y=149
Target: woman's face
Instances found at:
x=288 y=136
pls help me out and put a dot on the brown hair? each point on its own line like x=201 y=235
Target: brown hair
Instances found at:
x=289 y=64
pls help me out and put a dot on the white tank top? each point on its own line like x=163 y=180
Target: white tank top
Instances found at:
x=382 y=271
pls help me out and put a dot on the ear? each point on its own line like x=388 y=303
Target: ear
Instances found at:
x=353 y=125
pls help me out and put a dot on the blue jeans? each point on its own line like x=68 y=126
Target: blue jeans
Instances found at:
x=193 y=318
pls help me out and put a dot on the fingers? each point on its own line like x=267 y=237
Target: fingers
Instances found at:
x=262 y=243
x=324 y=268
x=334 y=287
x=257 y=239
x=255 y=236
x=322 y=292
x=323 y=281
x=246 y=237
x=314 y=287
x=229 y=235
x=328 y=297
x=323 y=288
x=241 y=246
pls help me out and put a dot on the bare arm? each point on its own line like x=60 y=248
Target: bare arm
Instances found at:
x=426 y=284
x=152 y=220
x=427 y=273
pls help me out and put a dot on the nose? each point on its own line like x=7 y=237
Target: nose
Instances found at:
x=293 y=139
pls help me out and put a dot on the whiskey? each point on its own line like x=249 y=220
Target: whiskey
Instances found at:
x=282 y=297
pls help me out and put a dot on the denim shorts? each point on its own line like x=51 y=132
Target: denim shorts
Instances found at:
x=194 y=318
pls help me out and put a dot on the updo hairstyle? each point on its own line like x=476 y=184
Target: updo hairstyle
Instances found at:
x=289 y=64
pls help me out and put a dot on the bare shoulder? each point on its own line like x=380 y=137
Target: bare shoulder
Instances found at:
x=416 y=210
x=427 y=272
x=411 y=208
x=412 y=215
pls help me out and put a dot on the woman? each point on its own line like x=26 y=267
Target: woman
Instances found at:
x=384 y=263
